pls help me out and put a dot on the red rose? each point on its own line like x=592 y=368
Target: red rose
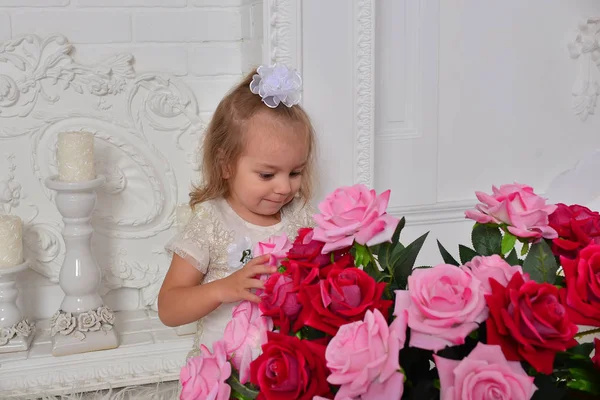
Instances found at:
x=305 y=249
x=582 y=293
x=290 y=368
x=343 y=296
x=280 y=302
x=528 y=322
x=305 y=259
x=577 y=226
x=596 y=358
x=302 y=272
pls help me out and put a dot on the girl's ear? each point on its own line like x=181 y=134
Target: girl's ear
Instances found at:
x=225 y=167
x=225 y=171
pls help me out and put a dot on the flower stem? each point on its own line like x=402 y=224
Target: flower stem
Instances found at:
x=240 y=391
x=585 y=333
x=371 y=257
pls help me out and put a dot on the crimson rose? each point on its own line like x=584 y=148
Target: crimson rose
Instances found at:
x=582 y=293
x=343 y=295
x=290 y=368
x=577 y=226
x=527 y=320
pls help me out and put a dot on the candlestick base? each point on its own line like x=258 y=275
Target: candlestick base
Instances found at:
x=16 y=332
x=74 y=333
x=94 y=341
x=17 y=337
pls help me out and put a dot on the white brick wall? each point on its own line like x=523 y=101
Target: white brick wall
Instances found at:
x=208 y=43
x=252 y=33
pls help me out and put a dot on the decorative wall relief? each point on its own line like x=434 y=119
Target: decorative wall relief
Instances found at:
x=283 y=33
x=586 y=50
x=147 y=128
x=10 y=189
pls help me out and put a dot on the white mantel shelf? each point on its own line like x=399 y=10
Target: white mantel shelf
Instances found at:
x=149 y=352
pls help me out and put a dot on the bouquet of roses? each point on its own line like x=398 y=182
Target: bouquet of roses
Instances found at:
x=349 y=317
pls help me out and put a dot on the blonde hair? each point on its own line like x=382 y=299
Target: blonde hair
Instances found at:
x=224 y=140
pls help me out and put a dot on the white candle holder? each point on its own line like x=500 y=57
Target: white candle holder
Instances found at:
x=16 y=332
x=83 y=323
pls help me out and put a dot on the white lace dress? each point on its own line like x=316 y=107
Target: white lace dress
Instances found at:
x=214 y=242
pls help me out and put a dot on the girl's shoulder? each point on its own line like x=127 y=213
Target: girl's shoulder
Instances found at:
x=197 y=217
x=208 y=209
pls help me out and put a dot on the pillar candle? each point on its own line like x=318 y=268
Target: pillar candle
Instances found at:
x=75 y=156
x=11 y=241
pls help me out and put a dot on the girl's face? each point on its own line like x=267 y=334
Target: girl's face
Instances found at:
x=268 y=174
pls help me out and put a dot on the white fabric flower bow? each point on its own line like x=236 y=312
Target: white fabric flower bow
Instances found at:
x=277 y=84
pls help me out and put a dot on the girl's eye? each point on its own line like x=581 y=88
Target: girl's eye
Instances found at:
x=296 y=173
x=265 y=176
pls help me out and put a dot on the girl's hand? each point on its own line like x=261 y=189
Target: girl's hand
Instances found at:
x=238 y=286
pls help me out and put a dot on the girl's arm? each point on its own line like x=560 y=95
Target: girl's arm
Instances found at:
x=182 y=299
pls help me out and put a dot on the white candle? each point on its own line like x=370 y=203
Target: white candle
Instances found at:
x=11 y=241
x=75 y=156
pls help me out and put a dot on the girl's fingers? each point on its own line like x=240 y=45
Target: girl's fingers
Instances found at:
x=251 y=297
x=255 y=284
x=261 y=269
x=258 y=260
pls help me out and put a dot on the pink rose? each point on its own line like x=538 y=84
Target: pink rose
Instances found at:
x=483 y=374
x=486 y=267
x=363 y=358
x=353 y=213
x=516 y=205
x=204 y=376
x=276 y=246
x=444 y=304
x=244 y=335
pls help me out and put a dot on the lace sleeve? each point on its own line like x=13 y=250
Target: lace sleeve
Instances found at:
x=307 y=213
x=192 y=243
x=300 y=215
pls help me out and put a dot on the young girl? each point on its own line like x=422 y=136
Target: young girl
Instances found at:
x=257 y=180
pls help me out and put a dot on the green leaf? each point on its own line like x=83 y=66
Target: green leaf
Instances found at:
x=387 y=251
x=560 y=281
x=508 y=242
x=374 y=272
x=361 y=255
x=446 y=256
x=487 y=240
x=403 y=263
x=512 y=258
x=584 y=380
x=383 y=255
x=548 y=388
x=398 y=230
x=540 y=263
x=585 y=386
x=582 y=350
x=466 y=254
x=243 y=392
x=525 y=248
x=310 y=333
